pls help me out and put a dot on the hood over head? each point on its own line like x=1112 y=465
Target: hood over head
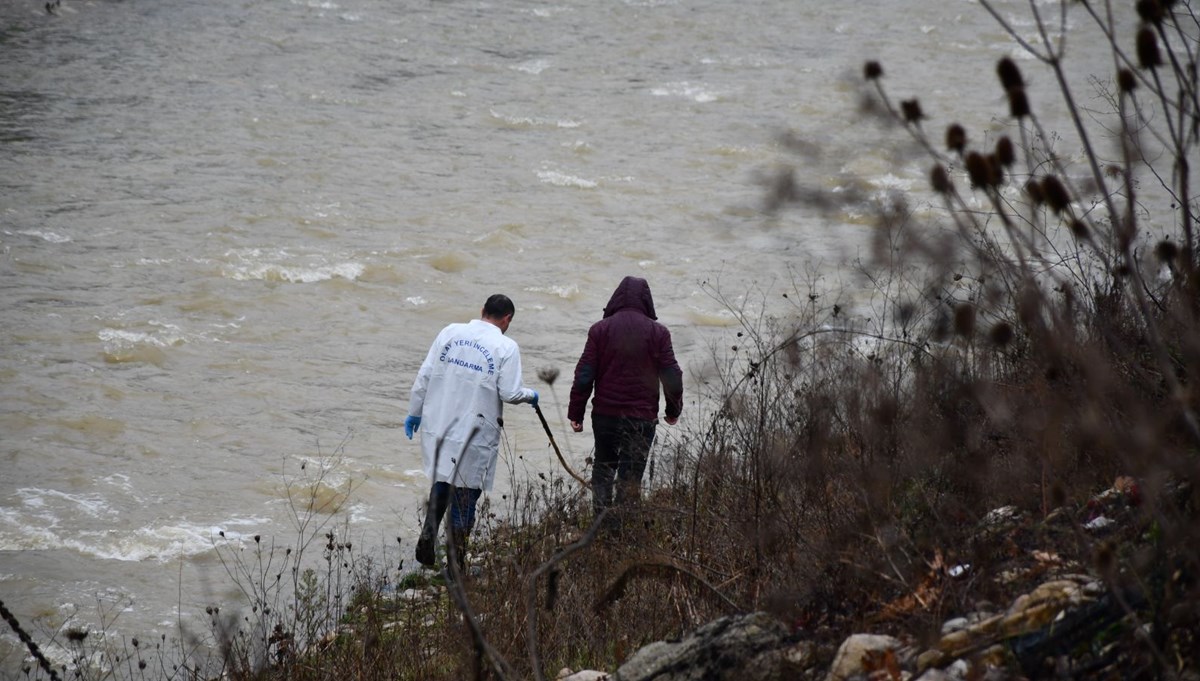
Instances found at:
x=632 y=292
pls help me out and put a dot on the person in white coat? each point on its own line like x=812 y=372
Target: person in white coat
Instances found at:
x=457 y=402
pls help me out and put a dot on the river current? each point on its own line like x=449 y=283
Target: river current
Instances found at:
x=229 y=231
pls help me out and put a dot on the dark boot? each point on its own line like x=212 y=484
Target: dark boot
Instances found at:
x=435 y=509
x=425 y=552
x=602 y=494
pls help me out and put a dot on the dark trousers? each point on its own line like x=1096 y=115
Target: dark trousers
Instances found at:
x=622 y=448
x=461 y=501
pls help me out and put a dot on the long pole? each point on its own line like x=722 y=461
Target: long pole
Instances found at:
x=554 y=444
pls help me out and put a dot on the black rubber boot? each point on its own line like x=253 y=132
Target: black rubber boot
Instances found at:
x=435 y=509
x=425 y=552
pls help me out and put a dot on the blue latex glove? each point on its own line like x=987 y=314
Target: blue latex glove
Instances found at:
x=411 y=424
x=534 y=400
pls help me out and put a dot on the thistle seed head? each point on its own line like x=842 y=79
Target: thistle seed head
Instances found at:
x=1150 y=11
x=956 y=138
x=1018 y=103
x=1126 y=81
x=1005 y=152
x=995 y=171
x=940 y=180
x=1001 y=334
x=548 y=374
x=1010 y=75
x=911 y=110
x=1034 y=190
x=1055 y=194
x=1079 y=229
x=1147 y=49
x=1166 y=251
x=977 y=169
x=964 y=320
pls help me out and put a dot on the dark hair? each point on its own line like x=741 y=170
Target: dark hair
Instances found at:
x=498 y=306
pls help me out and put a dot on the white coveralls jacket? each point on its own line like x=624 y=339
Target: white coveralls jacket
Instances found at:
x=471 y=369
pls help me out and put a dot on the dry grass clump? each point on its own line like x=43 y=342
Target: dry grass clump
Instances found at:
x=1055 y=352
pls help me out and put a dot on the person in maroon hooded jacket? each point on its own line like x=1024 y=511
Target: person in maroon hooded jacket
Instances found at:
x=626 y=358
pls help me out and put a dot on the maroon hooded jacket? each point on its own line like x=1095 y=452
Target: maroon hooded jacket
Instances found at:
x=627 y=356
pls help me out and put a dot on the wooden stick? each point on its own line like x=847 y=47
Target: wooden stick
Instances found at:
x=554 y=444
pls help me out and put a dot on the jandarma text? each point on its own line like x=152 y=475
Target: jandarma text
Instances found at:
x=471 y=345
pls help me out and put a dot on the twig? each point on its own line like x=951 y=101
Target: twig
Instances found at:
x=454 y=582
x=28 y=641
x=530 y=589
x=651 y=566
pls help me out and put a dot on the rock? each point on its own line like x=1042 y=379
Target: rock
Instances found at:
x=748 y=648
x=1003 y=516
x=585 y=675
x=799 y=657
x=852 y=655
x=1029 y=613
x=959 y=623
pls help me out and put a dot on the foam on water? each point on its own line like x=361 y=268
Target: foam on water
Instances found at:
x=51 y=237
x=40 y=529
x=122 y=339
x=533 y=121
x=696 y=93
x=281 y=266
x=532 y=67
x=564 y=291
x=92 y=504
x=123 y=346
x=564 y=180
